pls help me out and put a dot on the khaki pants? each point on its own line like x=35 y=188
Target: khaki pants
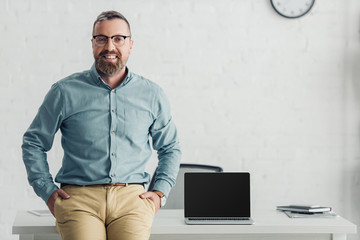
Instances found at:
x=101 y=212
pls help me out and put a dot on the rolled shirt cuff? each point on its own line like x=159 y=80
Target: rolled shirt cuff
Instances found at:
x=162 y=186
x=47 y=191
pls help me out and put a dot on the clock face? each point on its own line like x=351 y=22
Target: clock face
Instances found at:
x=292 y=8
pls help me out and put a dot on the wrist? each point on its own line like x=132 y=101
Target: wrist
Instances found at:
x=161 y=196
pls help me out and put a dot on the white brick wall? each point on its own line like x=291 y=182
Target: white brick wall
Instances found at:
x=250 y=90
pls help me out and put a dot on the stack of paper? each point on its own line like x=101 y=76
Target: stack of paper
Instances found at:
x=306 y=211
x=41 y=213
x=314 y=215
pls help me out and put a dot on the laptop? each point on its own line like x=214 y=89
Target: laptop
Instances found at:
x=217 y=198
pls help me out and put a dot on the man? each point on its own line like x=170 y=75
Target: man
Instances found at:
x=105 y=115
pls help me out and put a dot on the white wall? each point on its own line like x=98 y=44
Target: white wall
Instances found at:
x=250 y=90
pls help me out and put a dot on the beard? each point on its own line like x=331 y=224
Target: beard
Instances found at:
x=108 y=68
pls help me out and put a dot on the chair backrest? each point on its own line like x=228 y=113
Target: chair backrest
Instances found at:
x=176 y=197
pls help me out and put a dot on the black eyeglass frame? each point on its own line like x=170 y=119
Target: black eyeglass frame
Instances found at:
x=101 y=35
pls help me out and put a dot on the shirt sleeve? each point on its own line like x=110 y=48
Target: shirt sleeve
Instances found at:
x=165 y=141
x=38 y=139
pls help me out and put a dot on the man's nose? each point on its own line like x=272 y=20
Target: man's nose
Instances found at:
x=109 y=45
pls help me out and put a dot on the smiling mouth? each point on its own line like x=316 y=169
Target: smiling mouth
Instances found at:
x=110 y=57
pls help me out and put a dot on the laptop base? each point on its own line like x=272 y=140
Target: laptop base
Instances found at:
x=214 y=221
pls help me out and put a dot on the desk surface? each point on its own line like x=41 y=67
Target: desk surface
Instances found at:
x=172 y=222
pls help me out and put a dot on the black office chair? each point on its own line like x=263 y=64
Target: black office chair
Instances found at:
x=176 y=198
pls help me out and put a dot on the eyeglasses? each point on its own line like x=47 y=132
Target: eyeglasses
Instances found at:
x=117 y=40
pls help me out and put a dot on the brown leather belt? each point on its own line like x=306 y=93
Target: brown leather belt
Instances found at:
x=115 y=184
x=105 y=184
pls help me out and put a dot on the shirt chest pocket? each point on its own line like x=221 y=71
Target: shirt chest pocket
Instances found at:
x=137 y=124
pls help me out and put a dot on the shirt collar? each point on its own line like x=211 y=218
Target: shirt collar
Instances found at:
x=98 y=79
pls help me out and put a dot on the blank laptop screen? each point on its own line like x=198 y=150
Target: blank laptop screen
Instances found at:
x=217 y=194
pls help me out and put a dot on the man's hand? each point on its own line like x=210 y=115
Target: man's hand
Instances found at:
x=153 y=197
x=58 y=193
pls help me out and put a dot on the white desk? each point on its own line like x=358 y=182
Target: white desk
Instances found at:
x=169 y=225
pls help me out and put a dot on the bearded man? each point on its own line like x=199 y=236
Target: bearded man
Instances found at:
x=106 y=116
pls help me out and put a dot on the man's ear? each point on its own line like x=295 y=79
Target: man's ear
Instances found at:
x=131 y=45
x=92 y=43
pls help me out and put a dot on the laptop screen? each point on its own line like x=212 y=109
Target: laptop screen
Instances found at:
x=217 y=194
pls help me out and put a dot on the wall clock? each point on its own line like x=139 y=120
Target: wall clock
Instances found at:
x=292 y=8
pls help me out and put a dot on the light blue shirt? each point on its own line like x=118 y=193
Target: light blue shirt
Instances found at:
x=105 y=134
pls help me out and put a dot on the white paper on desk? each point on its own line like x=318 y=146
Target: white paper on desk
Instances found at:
x=41 y=213
x=313 y=215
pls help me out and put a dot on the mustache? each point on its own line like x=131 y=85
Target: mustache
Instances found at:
x=109 y=52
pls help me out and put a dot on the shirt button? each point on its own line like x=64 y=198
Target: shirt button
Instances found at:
x=113 y=132
x=112 y=175
x=112 y=154
x=113 y=110
x=113 y=90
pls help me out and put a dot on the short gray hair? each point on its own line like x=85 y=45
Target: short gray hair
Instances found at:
x=109 y=15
